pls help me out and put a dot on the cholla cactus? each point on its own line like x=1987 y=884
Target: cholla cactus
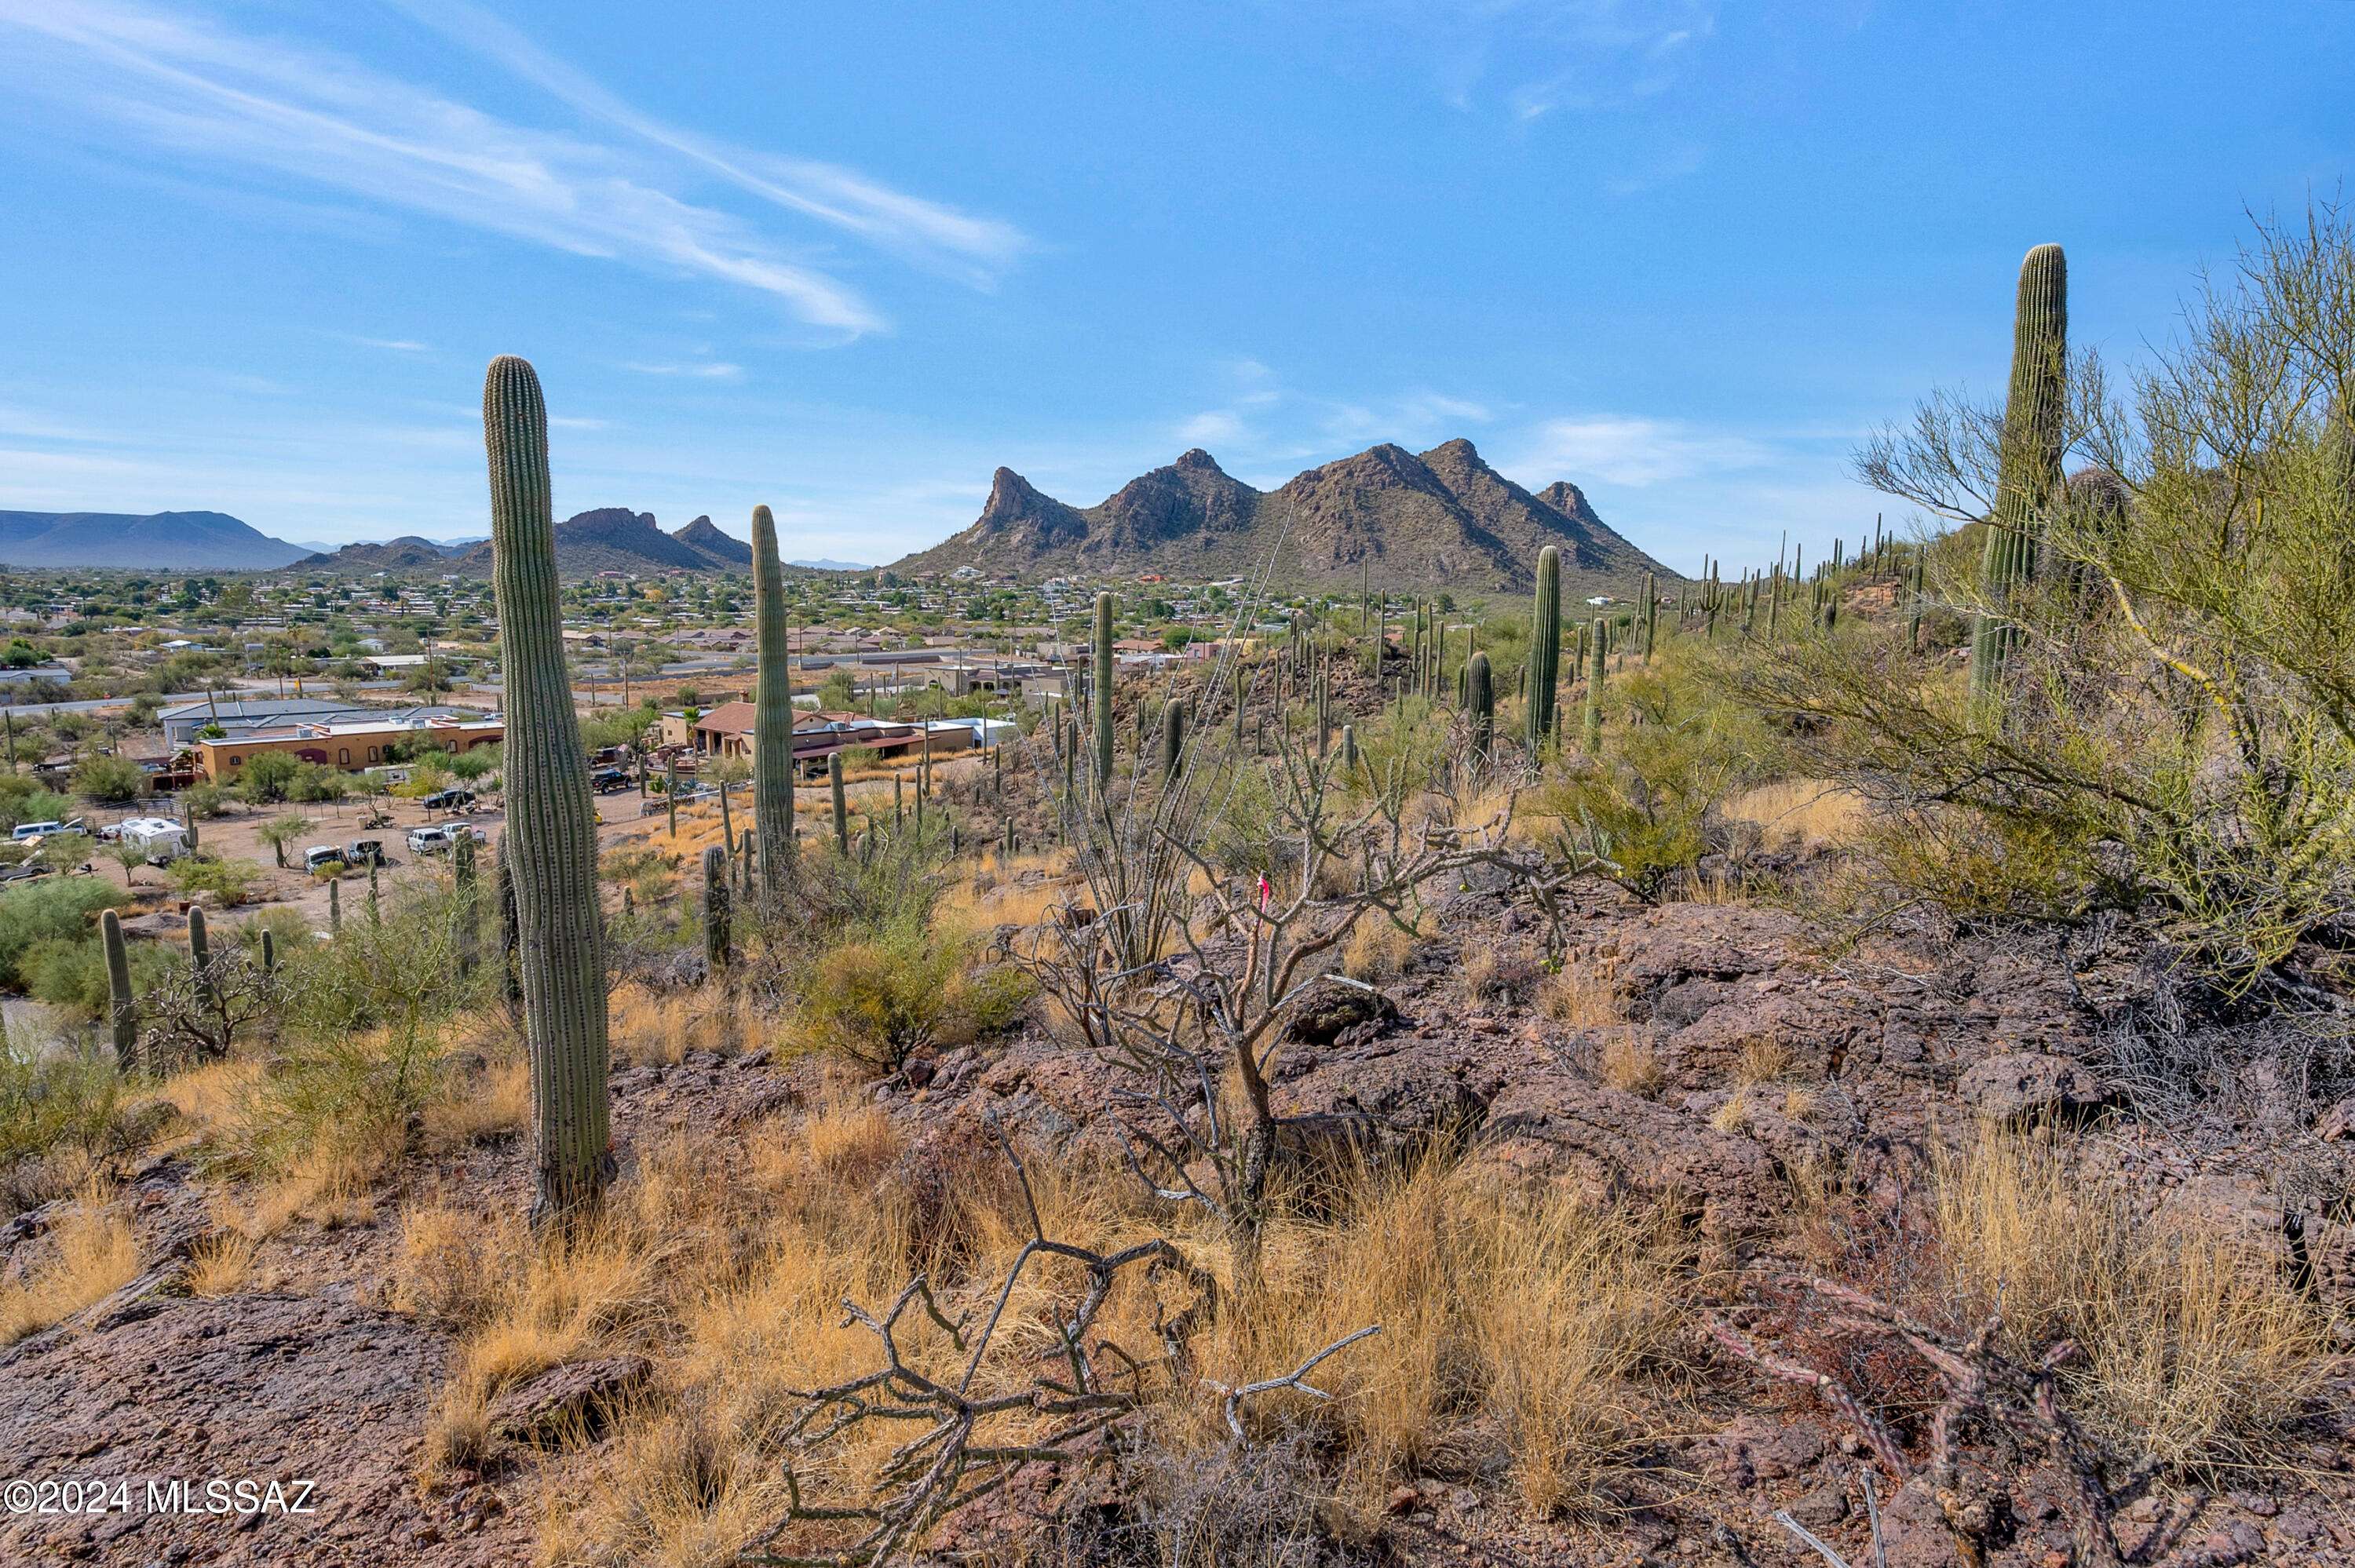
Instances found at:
x=551 y=837
x=772 y=715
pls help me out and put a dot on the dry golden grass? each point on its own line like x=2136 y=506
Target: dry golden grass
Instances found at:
x=1761 y=1061
x=1629 y=1063
x=497 y=1106
x=220 y=1264
x=2193 y=1351
x=648 y=1028
x=1518 y=1333
x=214 y=1097
x=1802 y=813
x=1379 y=948
x=328 y=1186
x=1583 y=998
x=88 y=1255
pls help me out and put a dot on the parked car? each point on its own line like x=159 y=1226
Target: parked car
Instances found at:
x=31 y=832
x=448 y=799
x=26 y=872
x=456 y=828
x=429 y=841
x=364 y=851
x=608 y=780
x=318 y=855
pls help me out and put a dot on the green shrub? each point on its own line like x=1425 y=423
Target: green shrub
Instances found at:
x=65 y=907
x=316 y=784
x=109 y=780
x=878 y=999
x=70 y=972
x=53 y=1101
x=204 y=800
x=230 y=881
x=22 y=801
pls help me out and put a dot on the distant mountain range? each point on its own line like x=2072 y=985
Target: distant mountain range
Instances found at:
x=160 y=541
x=1440 y=519
x=605 y=539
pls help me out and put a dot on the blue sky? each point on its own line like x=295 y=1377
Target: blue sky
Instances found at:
x=845 y=259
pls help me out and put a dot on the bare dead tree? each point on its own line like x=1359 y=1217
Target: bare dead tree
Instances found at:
x=1235 y=957
x=195 y=1017
x=1982 y=1384
x=971 y=1440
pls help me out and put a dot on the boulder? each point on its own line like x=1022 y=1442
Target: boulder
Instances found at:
x=2020 y=1085
x=542 y=1410
x=1555 y=1126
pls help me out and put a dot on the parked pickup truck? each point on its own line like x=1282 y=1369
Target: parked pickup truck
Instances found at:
x=448 y=799
x=609 y=780
x=364 y=851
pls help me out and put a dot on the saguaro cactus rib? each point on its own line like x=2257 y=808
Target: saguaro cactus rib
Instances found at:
x=552 y=836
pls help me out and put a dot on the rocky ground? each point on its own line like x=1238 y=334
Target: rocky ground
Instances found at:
x=312 y=1377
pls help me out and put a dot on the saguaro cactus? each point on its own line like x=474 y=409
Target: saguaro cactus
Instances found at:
x=335 y=908
x=2029 y=470
x=1598 y=657
x=200 y=946
x=841 y=808
x=772 y=715
x=1173 y=739
x=121 y=1011
x=461 y=881
x=1480 y=699
x=1545 y=647
x=551 y=837
x=1099 y=696
x=268 y=953
x=718 y=949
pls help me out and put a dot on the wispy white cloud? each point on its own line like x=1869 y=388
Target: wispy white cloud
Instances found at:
x=213 y=96
x=706 y=370
x=394 y=344
x=975 y=247
x=1211 y=427
x=576 y=423
x=1629 y=451
x=1537 y=57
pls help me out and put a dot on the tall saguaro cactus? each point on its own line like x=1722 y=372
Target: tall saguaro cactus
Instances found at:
x=841 y=807
x=718 y=949
x=121 y=1011
x=1099 y=696
x=2029 y=476
x=1173 y=739
x=1545 y=646
x=772 y=715
x=551 y=837
x=1480 y=700
x=1598 y=656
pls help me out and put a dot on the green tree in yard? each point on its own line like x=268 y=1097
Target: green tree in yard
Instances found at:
x=266 y=778
x=279 y=831
x=109 y=780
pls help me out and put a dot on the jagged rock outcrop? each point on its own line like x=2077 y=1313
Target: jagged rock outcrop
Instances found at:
x=1440 y=519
